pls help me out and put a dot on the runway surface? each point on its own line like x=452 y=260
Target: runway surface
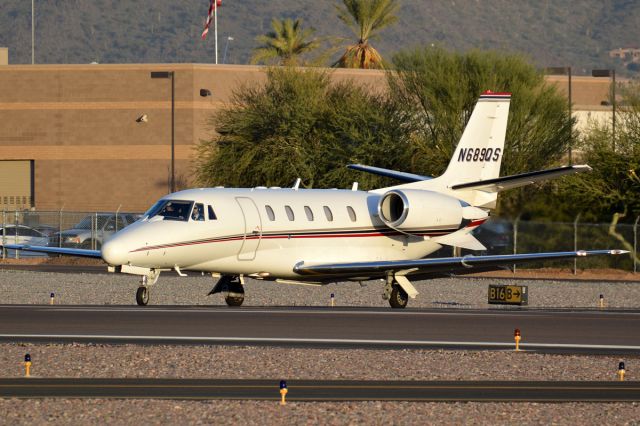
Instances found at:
x=312 y=390
x=595 y=332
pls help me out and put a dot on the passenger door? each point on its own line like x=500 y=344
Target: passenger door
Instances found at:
x=252 y=228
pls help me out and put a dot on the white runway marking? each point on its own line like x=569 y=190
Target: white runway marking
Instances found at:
x=323 y=341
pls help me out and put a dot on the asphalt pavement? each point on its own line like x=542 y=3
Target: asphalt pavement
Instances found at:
x=314 y=390
x=564 y=331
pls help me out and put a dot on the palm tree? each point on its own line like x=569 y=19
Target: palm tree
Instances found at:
x=365 y=18
x=285 y=44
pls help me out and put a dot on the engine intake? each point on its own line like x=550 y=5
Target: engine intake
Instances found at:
x=411 y=210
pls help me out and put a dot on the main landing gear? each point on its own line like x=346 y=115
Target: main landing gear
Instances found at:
x=142 y=294
x=398 y=298
x=395 y=293
x=232 y=289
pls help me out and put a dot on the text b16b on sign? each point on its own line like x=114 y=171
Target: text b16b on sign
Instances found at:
x=508 y=295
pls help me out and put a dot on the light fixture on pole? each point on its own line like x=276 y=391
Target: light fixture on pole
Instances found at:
x=171 y=75
x=226 y=47
x=610 y=73
x=565 y=71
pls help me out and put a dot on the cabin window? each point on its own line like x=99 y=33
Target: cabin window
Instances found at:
x=212 y=214
x=289 y=211
x=328 y=213
x=197 y=213
x=309 y=213
x=352 y=213
x=270 y=213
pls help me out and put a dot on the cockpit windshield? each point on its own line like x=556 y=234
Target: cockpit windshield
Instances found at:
x=170 y=210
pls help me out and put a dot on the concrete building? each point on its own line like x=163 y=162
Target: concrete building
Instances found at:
x=98 y=137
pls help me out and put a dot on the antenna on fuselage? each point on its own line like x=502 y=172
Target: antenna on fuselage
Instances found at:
x=354 y=187
x=297 y=184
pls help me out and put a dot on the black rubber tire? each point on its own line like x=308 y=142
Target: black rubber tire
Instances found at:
x=399 y=298
x=142 y=296
x=234 y=301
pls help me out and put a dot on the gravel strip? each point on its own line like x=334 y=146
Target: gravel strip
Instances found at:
x=147 y=412
x=83 y=360
x=119 y=289
x=247 y=362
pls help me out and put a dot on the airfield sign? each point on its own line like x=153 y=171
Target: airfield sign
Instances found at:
x=508 y=295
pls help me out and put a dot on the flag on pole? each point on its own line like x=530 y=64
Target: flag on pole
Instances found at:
x=213 y=5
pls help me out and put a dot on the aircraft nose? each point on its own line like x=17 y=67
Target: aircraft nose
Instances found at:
x=114 y=252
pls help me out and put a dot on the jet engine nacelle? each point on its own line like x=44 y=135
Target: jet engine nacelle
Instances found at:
x=414 y=210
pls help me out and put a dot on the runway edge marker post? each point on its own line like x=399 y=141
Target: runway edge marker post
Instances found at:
x=27 y=365
x=621 y=371
x=516 y=336
x=283 y=392
x=602 y=301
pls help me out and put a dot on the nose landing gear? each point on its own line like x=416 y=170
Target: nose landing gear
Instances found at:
x=142 y=294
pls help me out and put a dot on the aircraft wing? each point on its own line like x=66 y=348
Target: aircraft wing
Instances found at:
x=515 y=181
x=438 y=265
x=55 y=250
x=401 y=176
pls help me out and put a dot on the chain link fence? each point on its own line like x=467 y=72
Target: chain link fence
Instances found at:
x=86 y=230
x=503 y=236
x=89 y=230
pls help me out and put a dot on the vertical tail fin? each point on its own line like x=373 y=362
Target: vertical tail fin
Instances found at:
x=479 y=153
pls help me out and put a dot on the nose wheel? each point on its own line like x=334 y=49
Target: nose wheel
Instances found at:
x=146 y=281
x=142 y=296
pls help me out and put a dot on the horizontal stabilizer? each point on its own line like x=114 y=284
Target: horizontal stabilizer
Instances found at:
x=462 y=239
x=401 y=176
x=515 y=181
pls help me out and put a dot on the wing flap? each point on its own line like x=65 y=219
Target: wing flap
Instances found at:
x=96 y=254
x=516 y=181
x=448 y=264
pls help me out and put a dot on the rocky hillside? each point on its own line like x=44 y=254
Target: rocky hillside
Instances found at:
x=560 y=32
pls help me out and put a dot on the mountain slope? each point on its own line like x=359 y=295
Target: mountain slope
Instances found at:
x=553 y=33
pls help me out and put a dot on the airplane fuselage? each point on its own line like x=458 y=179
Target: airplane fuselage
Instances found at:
x=265 y=232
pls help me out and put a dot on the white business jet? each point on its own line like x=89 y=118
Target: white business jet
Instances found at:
x=319 y=236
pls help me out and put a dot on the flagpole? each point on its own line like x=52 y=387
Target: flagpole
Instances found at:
x=33 y=35
x=215 y=24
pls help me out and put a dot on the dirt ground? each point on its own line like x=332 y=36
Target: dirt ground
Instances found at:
x=565 y=274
